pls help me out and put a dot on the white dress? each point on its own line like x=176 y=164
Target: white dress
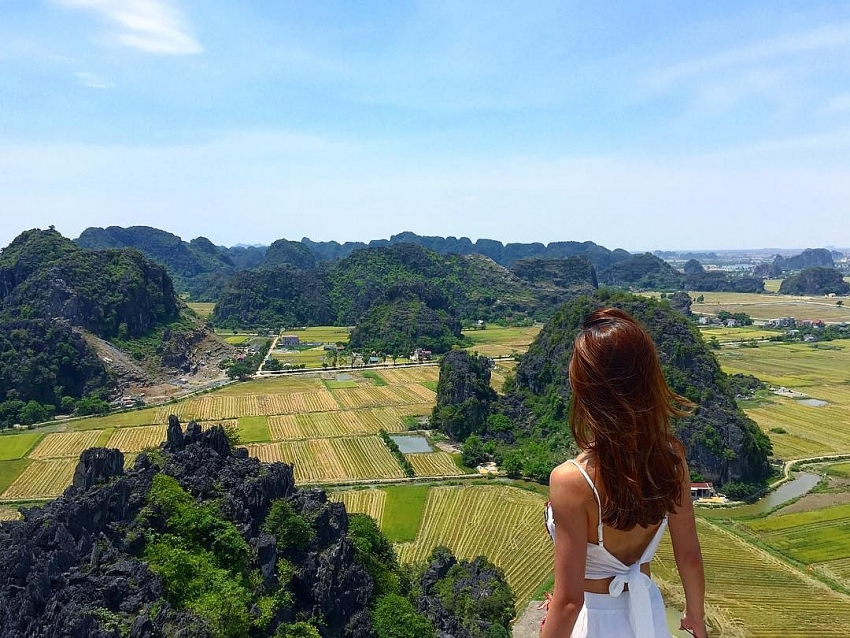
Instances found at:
x=636 y=613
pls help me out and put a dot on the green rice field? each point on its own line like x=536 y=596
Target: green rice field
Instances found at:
x=16 y=446
x=753 y=593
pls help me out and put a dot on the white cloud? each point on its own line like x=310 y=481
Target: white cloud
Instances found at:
x=91 y=80
x=825 y=38
x=154 y=26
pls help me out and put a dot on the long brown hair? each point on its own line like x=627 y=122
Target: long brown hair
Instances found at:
x=620 y=413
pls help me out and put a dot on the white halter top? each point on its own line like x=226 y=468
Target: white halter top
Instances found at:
x=603 y=564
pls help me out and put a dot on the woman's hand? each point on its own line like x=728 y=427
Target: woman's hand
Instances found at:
x=695 y=628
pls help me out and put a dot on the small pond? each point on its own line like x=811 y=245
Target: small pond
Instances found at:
x=412 y=444
x=813 y=403
x=342 y=376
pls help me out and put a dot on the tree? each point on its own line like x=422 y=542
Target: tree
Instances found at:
x=34 y=412
x=297 y=630
x=395 y=617
x=473 y=451
x=240 y=370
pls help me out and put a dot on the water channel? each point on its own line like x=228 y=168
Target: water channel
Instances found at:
x=801 y=484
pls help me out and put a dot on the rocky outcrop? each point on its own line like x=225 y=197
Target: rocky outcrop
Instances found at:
x=464 y=395
x=465 y=599
x=73 y=567
x=722 y=443
x=815 y=281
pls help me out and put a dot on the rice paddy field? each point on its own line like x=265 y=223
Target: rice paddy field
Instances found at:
x=434 y=464
x=325 y=423
x=771 y=306
x=325 y=334
x=732 y=335
x=498 y=341
x=332 y=460
x=753 y=593
x=202 y=309
x=370 y=501
x=821 y=371
x=501 y=522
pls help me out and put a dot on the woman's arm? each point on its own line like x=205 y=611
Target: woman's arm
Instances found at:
x=568 y=493
x=688 y=556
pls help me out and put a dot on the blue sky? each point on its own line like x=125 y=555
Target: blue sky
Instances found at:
x=644 y=126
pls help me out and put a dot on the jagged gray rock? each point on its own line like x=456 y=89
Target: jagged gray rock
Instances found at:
x=71 y=568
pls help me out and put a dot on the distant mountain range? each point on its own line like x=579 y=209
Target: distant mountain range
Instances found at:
x=202 y=271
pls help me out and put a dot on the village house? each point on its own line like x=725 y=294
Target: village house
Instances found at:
x=289 y=341
x=702 y=490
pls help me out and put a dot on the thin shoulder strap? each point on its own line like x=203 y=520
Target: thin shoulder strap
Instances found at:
x=598 y=501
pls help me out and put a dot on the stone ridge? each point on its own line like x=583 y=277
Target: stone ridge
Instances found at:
x=69 y=568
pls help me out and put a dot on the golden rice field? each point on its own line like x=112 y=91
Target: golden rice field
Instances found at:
x=65 y=444
x=283 y=384
x=434 y=464
x=137 y=439
x=498 y=341
x=369 y=502
x=504 y=523
x=214 y=406
x=379 y=396
x=331 y=424
x=757 y=591
x=500 y=372
x=417 y=374
x=42 y=479
x=9 y=514
x=330 y=460
x=822 y=373
x=771 y=306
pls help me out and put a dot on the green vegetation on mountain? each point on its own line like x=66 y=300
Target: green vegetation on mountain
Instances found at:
x=503 y=254
x=110 y=293
x=527 y=428
x=649 y=272
x=55 y=297
x=45 y=368
x=642 y=272
x=697 y=278
x=198 y=268
x=401 y=296
x=815 y=281
x=292 y=253
x=274 y=297
x=464 y=396
x=575 y=274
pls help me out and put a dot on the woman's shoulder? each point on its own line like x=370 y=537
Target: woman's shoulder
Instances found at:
x=567 y=480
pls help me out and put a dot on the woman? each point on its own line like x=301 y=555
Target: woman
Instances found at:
x=609 y=506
